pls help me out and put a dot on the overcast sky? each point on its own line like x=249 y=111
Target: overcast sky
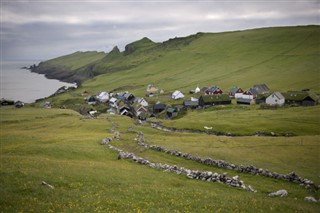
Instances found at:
x=41 y=30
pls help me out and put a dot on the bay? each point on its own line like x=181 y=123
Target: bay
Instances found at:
x=24 y=85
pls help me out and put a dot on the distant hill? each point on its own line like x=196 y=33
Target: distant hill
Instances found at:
x=282 y=57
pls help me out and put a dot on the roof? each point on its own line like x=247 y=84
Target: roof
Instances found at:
x=191 y=103
x=213 y=89
x=113 y=100
x=203 y=89
x=261 y=88
x=159 y=106
x=298 y=95
x=278 y=95
x=128 y=95
x=234 y=90
x=215 y=98
x=171 y=110
x=252 y=91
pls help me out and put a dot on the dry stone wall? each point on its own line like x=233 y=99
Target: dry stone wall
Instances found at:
x=292 y=177
x=192 y=174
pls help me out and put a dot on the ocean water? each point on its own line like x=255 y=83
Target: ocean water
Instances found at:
x=21 y=84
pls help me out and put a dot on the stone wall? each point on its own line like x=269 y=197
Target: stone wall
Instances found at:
x=292 y=177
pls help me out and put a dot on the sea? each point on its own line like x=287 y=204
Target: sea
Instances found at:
x=23 y=85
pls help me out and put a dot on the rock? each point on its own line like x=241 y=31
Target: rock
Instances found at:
x=250 y=189
x=310 y=199
x=48 y=185
x=280 y=193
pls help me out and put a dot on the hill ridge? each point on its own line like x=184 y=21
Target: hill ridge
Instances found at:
x=276 y=55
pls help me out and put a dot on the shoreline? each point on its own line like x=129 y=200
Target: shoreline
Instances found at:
x=18 y=85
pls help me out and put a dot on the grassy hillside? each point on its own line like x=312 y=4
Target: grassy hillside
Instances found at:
x=65 y=67
x=285 y=58
x=62 y=148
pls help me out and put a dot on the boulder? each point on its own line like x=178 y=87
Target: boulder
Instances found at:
x=280 y=193
x=310 y=199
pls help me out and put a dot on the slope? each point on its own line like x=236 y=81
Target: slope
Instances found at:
x=285 y=58
x=65 y=67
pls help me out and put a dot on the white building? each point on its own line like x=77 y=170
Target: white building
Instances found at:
x=103 y=97
x=177 y=94
x=275 y=98
x=143 y=102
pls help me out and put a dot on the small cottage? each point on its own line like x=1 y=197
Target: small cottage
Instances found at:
x=125 y=110
x=138 y=109
x=209 y=100
x=112 y=111
x=302 y=98
x=103 y=97
x=91 y=100
x=245 y=101
x=177 y=95
x=158 y=107
x=142 y=102
x=152 y=90
x=191 y=104
x=275 y=98
x=250 y=94
x=85 y=93
x=129 y=98
x=215 y=90
x=5 y=102
x=236 y=92
x=18 y=104
x=113 y=102
x=171 y=113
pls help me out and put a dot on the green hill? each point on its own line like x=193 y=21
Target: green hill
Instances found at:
x=284 y=58
x=66 y=68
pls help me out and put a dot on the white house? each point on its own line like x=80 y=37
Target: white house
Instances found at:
x=197 y=90
x=103 y=97
x=113 y=102
x=275 y=98
x=143 y=102
x=177 y=94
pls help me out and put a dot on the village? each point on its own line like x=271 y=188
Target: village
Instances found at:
x=175 y=103
x=127 y=104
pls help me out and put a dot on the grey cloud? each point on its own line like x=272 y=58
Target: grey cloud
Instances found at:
x=33 y=29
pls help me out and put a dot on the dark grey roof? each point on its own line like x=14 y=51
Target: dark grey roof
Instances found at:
x=261 y=88
x=191 y=103
x=159 y=106
x=253 y=91
x=234 y=90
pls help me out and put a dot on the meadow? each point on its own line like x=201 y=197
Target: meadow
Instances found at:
x=63 y=148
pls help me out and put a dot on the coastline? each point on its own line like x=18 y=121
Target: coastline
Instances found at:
x=20 y=83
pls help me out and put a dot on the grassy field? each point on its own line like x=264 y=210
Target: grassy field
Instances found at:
x=248 y=120
x=62 y=148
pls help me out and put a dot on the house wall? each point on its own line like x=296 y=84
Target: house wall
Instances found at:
x=274 y=101
x=238 y=95
x=244 y=96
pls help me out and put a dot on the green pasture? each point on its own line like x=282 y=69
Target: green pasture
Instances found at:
x=63 y=148
x=249 y=120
